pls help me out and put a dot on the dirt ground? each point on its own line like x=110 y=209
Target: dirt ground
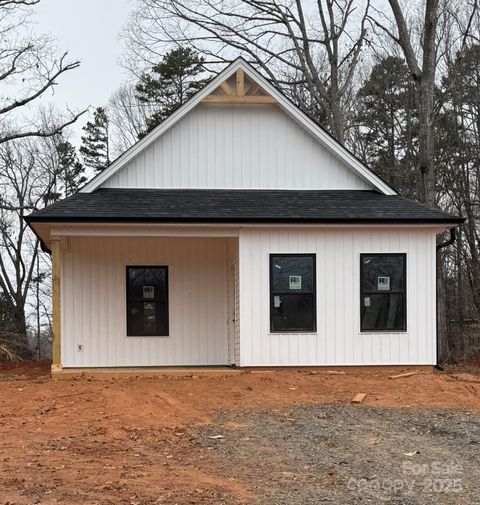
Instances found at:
x=282 y=437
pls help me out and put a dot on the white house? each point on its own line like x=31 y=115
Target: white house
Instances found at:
x=239 y=232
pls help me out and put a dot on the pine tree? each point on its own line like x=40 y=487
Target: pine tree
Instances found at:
x=170 y=84
x=71 y=171
x=95 y=147
x=388 y=123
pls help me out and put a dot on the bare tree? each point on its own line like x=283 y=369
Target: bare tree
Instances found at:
x=29 y=70
x=441 y=28
x=422 y=55
x=459 y=173
x=128 y=117
x=26 y=184
x=313 y=44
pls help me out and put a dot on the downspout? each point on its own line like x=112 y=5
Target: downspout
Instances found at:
x=446 y=243
x=450 y=241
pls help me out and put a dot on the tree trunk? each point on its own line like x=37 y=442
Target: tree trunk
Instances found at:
x=426 y=144
x=19 y=339
x=338 y=127
x=426 y=105
x=443 y=348
x=460 y=301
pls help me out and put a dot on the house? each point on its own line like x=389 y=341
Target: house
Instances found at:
x=239 y=232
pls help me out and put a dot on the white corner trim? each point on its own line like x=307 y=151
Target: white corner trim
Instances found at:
x=328 y=142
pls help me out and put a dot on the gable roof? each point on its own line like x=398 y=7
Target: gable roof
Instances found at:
x=318 y=133
x=240 y=206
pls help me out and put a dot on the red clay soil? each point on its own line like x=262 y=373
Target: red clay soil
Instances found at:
x=129 y=441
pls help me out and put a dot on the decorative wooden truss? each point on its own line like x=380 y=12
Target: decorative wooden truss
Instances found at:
x=239 y=88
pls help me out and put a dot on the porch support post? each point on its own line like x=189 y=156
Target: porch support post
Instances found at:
x=56 y=345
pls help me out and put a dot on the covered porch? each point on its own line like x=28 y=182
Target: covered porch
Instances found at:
x=144 y=296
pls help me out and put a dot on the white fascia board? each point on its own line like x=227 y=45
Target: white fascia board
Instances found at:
x=326 y=140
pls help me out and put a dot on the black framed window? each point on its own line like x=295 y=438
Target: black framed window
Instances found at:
x=383 y=292
x=147 y=301
x=292 y=293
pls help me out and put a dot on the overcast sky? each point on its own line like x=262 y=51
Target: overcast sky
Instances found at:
x=89 y=31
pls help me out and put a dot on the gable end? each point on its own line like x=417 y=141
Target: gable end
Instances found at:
x=241 y=88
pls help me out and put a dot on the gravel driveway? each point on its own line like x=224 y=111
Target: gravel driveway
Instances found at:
x=350 y=454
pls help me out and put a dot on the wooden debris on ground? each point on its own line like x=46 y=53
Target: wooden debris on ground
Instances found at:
x=403 y=375
x=359 y=397
x=336 y=372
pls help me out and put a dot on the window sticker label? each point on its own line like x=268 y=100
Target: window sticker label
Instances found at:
x=276 y=301
x=383 y=283
x=295 y=282
x=366 y=301
x=148 y=291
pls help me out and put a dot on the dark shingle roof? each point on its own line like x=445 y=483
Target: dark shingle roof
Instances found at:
x=239 y=206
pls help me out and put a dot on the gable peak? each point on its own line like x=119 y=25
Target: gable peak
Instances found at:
x=245 y=86
x=239 y=86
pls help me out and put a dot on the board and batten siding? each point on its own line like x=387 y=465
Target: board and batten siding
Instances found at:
x=220 y=146
x=93 y=301
x=338 y=339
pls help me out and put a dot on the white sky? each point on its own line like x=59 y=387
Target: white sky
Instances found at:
x=89 y=31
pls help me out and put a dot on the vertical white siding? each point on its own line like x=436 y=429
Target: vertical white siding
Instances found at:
x=93 y=302
x=235 y=146
x=338 y=340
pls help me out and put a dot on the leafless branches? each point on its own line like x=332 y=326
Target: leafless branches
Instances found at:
x=17 y=3
x=128 y=117
x=315 y=44
x=29 y=70
x=28 y=181
x=423 y=63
